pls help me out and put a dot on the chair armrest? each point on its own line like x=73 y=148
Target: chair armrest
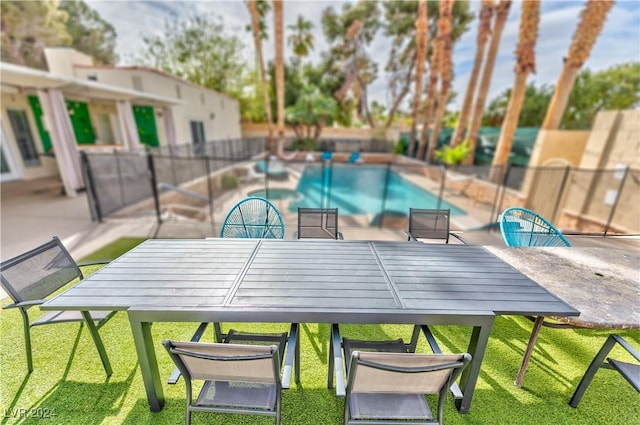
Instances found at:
x=627 y=346
x=24 y=304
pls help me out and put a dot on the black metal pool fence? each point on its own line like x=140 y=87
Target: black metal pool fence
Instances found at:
x=125 y=183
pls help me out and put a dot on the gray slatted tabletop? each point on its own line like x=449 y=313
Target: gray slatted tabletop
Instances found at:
x=313 y=281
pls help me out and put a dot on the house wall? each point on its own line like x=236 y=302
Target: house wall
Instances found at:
x=219 y=113
x=48 y=166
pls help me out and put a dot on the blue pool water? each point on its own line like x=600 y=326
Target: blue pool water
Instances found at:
x=361 y=190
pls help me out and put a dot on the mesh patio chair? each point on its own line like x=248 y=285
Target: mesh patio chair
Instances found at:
x=33 y=276
x=350 y=345
x=430 y=224
x=390 y=387
x=630 y=371
x=319 y=223
x=521 y=227
x=253 y=217
x=238 y=378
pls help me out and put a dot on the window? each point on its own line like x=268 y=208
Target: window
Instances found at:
x=24 y=138
x=202 y=100
x=178 y=91
x=198 y=137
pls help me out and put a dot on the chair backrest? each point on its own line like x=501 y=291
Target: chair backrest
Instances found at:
x=404 y=373
x=429 y=223
x=318 y=223
x=225 y=362
x=38 y=273
x=253 y=217
x=522 y=227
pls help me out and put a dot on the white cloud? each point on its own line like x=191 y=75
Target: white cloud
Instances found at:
x=619 y=41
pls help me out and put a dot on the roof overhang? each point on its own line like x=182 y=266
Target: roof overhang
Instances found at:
x=15 y=78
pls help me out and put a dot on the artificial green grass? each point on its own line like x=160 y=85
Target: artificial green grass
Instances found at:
x=69 y=382
x=113 y=250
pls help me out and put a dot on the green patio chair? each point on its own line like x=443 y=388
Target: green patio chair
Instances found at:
x=30 y=278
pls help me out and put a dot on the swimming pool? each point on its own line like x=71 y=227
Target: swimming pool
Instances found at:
x=361 y=190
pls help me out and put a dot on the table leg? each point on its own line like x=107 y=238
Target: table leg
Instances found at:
x=527 y=354
x=469 y=377
x=93 y=330
x=336 y=356
x=148 y=364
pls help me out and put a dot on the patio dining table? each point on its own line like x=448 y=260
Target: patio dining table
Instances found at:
x=310 y=281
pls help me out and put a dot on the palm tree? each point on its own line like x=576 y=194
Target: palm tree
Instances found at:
x=279 y=38
x=502 y=12
x=484 y=29
x=258 y=35
x=593 y=16
x=444 y=29
x=421 y=53
x=302 y=38
x=525 y=63
x=434 y=72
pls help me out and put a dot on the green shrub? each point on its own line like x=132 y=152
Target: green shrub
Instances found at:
x=230 y=181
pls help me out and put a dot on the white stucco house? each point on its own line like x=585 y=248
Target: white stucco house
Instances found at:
x=47 y=117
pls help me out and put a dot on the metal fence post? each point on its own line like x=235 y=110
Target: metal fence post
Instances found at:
x=92 y=195
x=154 y=186
x=615 y=203
x=565 y=176
x=384 y=196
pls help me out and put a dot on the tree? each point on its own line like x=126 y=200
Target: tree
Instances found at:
x=30 y=26
x=525 y=63
x=257 y=10
x=590 y=26
x=421 y=55
x=278 y=19
x=90 y=33
x=445 y=68
x=502 y=12
x=197 y=49
x=311 y=113
x=614 y=88
x=484 y=29
x=400 y=28
x=302 y=38
x=348 y=35
x=535 y=104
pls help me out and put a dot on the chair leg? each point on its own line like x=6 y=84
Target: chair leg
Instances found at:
x=27 y=339
x=529 y=351
x=596 y=363
x=218 y=332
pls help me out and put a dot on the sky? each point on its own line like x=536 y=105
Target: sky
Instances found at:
x=619 y=41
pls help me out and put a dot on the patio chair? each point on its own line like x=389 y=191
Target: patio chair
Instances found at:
x=33 y=276
x=238 y=378
x=630 y=371
x=349 y=346
x=521 y=227
x=430 y=224
x=390 y=388
x=319 y=223
x=253 y=217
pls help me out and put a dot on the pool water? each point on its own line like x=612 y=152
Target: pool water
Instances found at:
x=361 y=190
